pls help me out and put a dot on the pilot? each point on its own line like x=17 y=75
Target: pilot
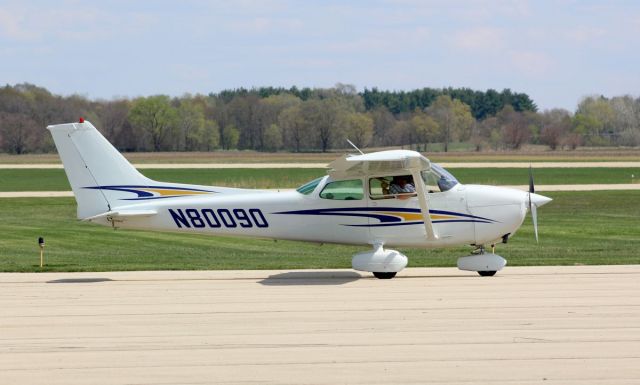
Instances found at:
x=401 y=186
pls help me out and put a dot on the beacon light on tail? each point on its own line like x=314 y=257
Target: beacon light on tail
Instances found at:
x=382 y=200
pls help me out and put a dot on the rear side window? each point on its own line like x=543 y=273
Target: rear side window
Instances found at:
x=343 y=190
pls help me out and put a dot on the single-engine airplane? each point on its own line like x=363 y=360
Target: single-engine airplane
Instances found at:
x=356 y=203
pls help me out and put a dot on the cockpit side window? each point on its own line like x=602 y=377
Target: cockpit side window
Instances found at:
x=387 y=187
x=343 y=190
x=436 y=180
x=439 y=177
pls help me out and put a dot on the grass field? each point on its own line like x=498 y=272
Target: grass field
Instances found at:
x=528 y=154
x=55 y=179
x=576 y=228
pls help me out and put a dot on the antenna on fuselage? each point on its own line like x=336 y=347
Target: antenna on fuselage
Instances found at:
x=354 y=146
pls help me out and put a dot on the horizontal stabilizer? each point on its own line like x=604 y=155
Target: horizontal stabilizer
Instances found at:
x=122 y=214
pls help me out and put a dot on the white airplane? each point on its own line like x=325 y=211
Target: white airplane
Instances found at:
x=354 y=204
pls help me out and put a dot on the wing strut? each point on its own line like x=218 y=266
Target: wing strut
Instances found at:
x=424 y=207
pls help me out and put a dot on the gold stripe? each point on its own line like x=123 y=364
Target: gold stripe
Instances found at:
x=165 y=192
x=438 y=216
x=414 y=216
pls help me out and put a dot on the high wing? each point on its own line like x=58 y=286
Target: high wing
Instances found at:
x=383 y=161
x=391 y=162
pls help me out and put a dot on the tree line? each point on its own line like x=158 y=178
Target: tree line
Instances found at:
x=318 y=119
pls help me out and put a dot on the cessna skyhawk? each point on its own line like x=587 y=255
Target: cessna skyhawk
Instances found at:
x=356 y=203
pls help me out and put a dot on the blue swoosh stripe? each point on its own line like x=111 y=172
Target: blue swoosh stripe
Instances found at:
x=345 y=211
x=418 y=223
x=142 y=195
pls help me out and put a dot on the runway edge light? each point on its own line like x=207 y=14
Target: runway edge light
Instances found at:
x=41 y=244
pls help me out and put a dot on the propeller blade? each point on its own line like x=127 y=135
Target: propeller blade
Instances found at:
x=532 y=206
x=534 y=216
x=531 y=187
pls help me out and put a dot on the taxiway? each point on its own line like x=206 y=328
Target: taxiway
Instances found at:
x=526 y=325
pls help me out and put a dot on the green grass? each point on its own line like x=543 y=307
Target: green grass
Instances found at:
x=458 y=152
x=55 y=180
x=576 y=228
x=542 y=176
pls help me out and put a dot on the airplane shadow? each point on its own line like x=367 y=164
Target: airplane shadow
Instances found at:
x=80 y=280
x=304 y=278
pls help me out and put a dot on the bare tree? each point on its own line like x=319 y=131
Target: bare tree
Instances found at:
x=515 y=127
x=293 y=126
x=17 y=132
x=556 y=124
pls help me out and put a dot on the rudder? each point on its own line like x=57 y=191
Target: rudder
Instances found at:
x=90 y=161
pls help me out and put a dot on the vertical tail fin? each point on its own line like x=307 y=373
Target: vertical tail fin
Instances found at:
x=91 y=162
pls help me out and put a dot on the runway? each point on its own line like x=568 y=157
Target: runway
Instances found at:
x=526 y=325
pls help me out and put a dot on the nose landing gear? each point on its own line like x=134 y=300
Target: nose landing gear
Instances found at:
x=486 y=264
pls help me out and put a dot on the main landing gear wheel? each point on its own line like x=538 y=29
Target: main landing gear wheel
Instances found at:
x=487 y=273
x=381 y=275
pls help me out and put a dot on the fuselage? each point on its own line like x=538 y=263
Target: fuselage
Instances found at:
x=463 y=215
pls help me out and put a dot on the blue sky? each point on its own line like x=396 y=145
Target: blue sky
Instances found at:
x=556 y=51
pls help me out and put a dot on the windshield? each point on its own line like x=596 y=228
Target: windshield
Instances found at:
x=438 y=177
x=308 y=188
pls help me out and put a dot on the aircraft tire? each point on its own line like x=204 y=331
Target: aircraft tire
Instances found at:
x=490 y=273
x=384 y=275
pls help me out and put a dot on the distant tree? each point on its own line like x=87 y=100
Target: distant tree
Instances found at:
x=243 y=114
x=113 y=117
x=211 y=135
x=359 y=129
x=556 y=125
x=482 y=104
x=17 y=132
x=584 y=126
x=401 y=133
x=495 y=139
x=294 y=127
x=515 y=128
x=481 y=132
x=453 y=117
x=423 y=129
x=229 y=137
x=327 y=117
x=191 y=125
x=273 y=138
x=383 y=122
x=626 y=120
x=155 y=117
x=268 y=113
x=599 y=118
x=573 y=140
